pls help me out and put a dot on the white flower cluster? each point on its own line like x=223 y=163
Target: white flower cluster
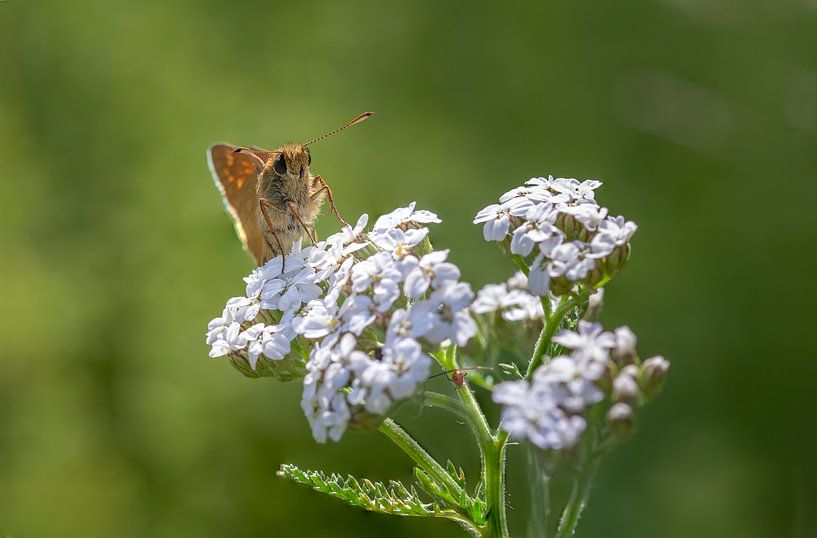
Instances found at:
x=511 y=299
x=549 y=411
x=558 y=223
x=369 y=301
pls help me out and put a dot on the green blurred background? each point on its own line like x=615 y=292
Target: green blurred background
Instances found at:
x=699 y=115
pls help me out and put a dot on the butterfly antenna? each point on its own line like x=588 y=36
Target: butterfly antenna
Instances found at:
x=466 y=369
x=358 y=119
x=446 y=372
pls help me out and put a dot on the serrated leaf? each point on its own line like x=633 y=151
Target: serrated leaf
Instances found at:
x=393 y=499
x=510 y=370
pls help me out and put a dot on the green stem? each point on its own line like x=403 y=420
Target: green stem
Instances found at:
x=492 y=452
x=406 y=442
x=539 y=495
x=458 y=408
x=494 y=480
x=577 y=501
x=546 y=335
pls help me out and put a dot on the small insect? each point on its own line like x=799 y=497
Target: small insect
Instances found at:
x=272 y=195
x=458 y=375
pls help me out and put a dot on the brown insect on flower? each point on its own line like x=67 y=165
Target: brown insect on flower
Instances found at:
x=458 y=375
x=272 y=195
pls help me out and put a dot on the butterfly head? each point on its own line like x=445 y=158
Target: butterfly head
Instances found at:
x=290 y=161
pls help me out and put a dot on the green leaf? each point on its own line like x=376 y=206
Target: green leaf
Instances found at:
x=393 y=499
x=510 y=370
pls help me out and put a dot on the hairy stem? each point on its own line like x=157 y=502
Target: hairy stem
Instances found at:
x=551 y=324
x=577 y=501
x=539 y=488
x=492 y=453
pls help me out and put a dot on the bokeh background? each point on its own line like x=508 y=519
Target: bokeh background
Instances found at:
x=699 y=115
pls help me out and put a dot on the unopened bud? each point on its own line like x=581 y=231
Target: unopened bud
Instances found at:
x=289 y=368
x=594 y=304
x=653 y=372
x=624 y=350
x=594 y=276
x=625 y=388
x=569 y=225
x=621 y=419
x=615 y=262
x=560 y=285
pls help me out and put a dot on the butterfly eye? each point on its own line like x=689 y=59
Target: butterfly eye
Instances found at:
x=308 y=158
x=279 y=165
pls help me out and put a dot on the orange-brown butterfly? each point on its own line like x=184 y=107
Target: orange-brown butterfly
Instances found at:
x=273 y=196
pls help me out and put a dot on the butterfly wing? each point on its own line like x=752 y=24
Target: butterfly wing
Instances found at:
x=235 y=176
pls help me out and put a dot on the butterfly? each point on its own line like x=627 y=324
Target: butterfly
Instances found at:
x=272 y=195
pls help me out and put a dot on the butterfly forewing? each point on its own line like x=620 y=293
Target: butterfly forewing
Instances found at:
x=235 y=175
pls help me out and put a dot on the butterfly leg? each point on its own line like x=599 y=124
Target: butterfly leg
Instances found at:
x=265 y=204
x=294 y=210
x=325 y=187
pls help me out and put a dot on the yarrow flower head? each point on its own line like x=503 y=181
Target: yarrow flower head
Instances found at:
x=356 y=316
x=551 y=410
x=557 y=226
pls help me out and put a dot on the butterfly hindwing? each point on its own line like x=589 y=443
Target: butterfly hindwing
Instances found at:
x=235 y=175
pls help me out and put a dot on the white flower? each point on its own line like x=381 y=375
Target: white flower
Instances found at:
x=254 y=282
x=321 y=319
x=410 y=365
x=411 y=323
x=601 y=245
x=397 y=242
x=225 y=338
x=241 y=309
x=272 y=341
x=591 y=340
x=625 y=342
x=290 y=291
x=497 y=217
x=317 y=319
x=576 y=190
x=533 y=191
x=449 y=308
x=568 y=260
x=322 y=401
x=539 y=275
x=538 y=228
x=405 y=216
x=379 y=273
x=529 y=411
x=255 y=336
x=589 y=214
x=572 y=382
x=431 y=270
x=521 y=305
x=617 y=229
x=490 y=298
x=358 y=311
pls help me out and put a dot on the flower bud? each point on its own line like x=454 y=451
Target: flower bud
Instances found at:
x=625 y=388
x=363 y=421
x=621 y=420
x=569 y=225
x=653 y=372
x=615 y=262
x=594 y=304
x=624 y=351
x=594 y=276
x=290 y=368
x=560 y=285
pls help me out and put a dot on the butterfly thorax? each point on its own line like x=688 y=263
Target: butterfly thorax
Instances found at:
x=289 y=181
